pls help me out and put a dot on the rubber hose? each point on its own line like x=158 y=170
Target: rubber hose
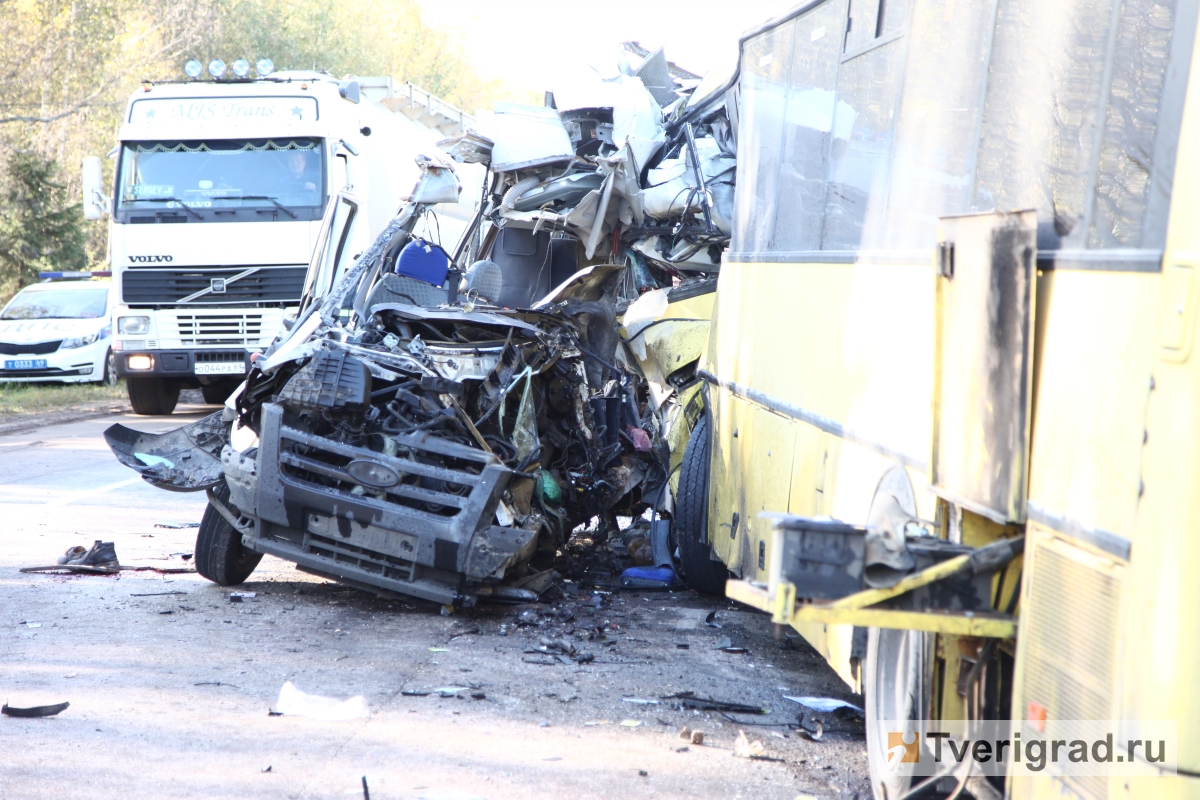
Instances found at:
x=514 y=194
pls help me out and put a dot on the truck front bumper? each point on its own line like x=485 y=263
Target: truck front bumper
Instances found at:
x=202 y=365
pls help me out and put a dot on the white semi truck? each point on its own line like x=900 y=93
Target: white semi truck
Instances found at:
x=219 y=191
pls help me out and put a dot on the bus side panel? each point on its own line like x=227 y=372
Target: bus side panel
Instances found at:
x=1093 y=385
x=750 y=474
x=1162 y=657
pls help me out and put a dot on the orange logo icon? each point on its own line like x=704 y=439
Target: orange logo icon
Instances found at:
x=908 y=753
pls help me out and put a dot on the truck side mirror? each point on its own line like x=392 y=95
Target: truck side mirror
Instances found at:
x=95 y=204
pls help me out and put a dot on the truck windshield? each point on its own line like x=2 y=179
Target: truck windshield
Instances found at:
x=37 y=302
x=225 y=173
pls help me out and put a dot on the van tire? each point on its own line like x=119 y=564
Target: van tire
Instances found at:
x=700 y=572
x=220 y=556
x=152 y=396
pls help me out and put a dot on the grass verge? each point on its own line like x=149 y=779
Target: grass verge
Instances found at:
x=19 y=399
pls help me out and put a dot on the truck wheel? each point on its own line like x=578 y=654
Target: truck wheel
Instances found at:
x=895 y=689
x=220 y=556
x=215 y=394
x=152 y=396
x=700 y=572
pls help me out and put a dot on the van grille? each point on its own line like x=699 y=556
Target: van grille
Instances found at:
x=1070 y=639
x=159 y=287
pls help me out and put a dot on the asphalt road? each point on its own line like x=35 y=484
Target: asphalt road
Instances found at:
x=170 y=682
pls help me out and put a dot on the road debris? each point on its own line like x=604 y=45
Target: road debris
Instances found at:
x=34 y=711
x=293 y=702
x=690 y=700
x=824 y=704
x=99 y=559
x=744 y=748
x=176 y=525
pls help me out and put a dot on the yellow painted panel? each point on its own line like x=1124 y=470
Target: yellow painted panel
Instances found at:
x=724 y=498
x=850 y=342
x=808 y=471
x=1092 y=388
x=1177 y=301
x=698 y=307
x=768 y=445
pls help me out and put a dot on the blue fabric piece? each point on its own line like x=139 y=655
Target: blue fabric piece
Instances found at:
x=648 y=578
x=423 y=261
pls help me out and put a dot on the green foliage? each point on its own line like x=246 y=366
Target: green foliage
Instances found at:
x=40 y=229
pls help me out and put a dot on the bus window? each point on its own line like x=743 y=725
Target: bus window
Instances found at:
x=765 y=65
x=934 y=152
x=1137 y=156
x=1042 y=111
x=807 y=124
x=867 y=94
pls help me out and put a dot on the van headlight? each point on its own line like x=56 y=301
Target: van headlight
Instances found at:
x=80 y=341
x=133 y=326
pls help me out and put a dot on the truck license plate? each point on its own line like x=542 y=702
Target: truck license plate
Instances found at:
x=221 y=368
x=26 y=363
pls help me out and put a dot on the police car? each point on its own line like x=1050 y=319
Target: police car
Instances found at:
x=59 y=330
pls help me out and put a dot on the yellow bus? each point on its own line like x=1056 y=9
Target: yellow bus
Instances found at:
x=960 y=304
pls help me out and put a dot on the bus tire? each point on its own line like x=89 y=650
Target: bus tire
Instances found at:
x=700 y=572
x=220 y=556
x=895 y=688
x=152 y=396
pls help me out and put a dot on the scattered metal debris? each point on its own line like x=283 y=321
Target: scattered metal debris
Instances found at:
x=690 y=700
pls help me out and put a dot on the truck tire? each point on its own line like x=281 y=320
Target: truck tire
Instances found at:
x=152 y=396
x=215 y=394
x=220 y=556
x=895 y=688
x=700 y=572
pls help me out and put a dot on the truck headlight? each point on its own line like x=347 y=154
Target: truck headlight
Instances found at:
x=133 y=326
x=80 y=341
x=140 y=362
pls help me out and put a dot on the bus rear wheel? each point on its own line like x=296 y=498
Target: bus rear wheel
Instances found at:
x=895 y=689
x=152 y=396
x=700 y=572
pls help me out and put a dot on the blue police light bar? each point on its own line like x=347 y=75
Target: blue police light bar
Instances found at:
x=51 y=276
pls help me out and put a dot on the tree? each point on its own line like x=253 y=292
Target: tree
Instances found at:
x=40 y=229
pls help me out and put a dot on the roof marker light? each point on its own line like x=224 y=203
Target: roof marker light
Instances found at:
x=216 y=68
x=193 y=69
x=241 y=68
x=264 y=67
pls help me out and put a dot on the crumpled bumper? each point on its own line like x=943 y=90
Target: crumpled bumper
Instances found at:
x=429 y=535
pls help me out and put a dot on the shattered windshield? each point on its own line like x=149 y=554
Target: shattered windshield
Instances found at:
x=36 y=302
x=226 y=173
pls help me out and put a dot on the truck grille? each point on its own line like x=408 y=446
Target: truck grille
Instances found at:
x=34 y=349
x=218 y=329
x=157 y=287
x=1069 y=631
